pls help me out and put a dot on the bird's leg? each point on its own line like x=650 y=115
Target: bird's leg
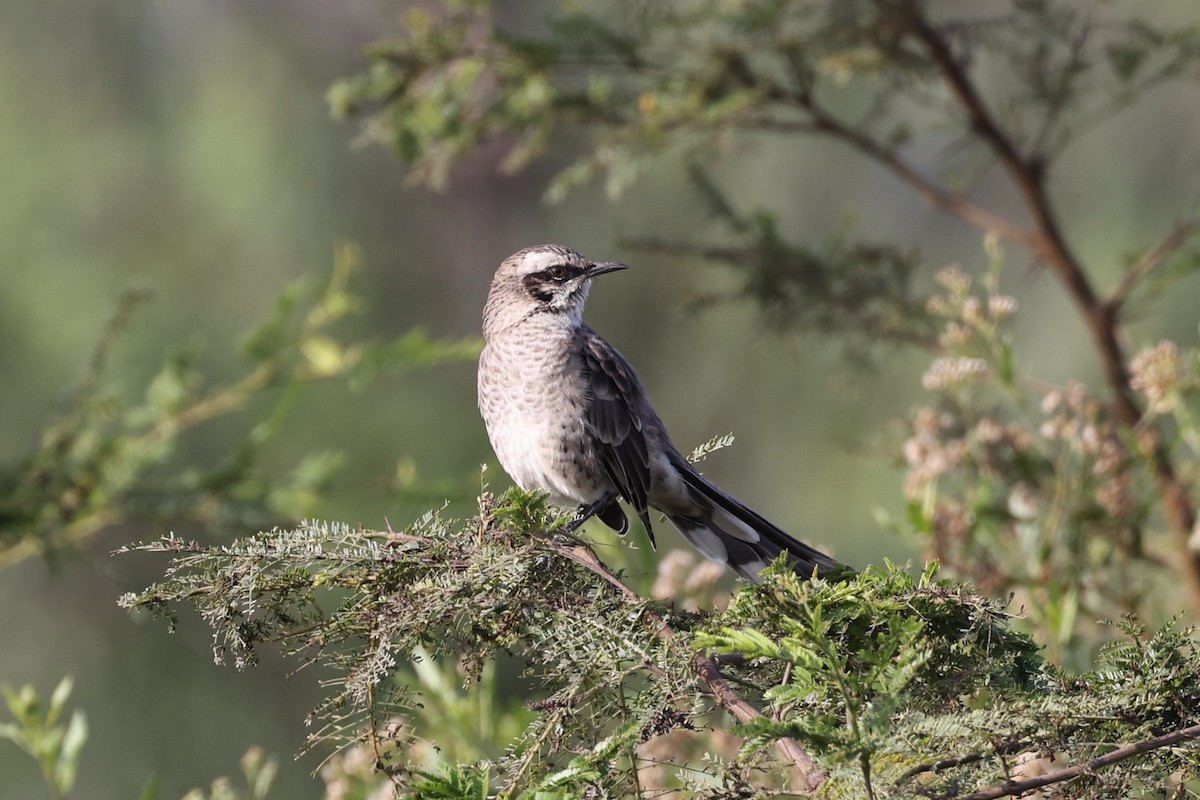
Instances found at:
x=587 y=512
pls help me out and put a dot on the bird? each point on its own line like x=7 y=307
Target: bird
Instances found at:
x=568 y=416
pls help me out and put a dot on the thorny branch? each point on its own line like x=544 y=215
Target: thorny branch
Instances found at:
x=809 y=773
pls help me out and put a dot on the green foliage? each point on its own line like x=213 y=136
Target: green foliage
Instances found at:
x=714 y=444
x=111 y=457
x=41 y=731
x=460 y=78
x=863 y=292
x=642 y=81
x=1057 y=498
x=454 y=783
x=469 y=592
x=857 y=652
x=883 y=676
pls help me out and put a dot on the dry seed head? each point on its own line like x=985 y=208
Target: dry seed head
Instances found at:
x=946 y=373
x=1155 y=375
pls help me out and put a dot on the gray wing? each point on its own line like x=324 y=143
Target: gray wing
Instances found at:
x=614 y=400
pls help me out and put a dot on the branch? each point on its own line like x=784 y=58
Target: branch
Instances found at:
x=810 y=774
x=822 y=122
x=1150 y=260
x=1017 y=788
x=1001 y=749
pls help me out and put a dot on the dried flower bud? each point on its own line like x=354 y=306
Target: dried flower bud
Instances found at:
x=673 y=569
x=972 y=310
x=1051 y=401
x=1002 y=306
x=1155 y=374
x=925 y=424
x=955 y=335
x=954 y=280
x=945 y=373
x=1023 y=502
x=989 y=431
x=703 y=577
x=1115 y=495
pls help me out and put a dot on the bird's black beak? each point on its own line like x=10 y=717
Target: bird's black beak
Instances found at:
x=603 y=267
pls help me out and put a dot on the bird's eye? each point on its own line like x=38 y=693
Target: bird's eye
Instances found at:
x=558 y=272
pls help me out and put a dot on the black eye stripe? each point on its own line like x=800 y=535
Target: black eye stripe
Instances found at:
x=568 y=271
x=540 y=284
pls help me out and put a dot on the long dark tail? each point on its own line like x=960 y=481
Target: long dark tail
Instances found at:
x=727 y=530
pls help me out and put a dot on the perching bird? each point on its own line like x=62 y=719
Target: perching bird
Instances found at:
x=567 y=415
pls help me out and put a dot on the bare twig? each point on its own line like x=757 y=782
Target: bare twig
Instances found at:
x=810 y=775
x=1149 y=260
x=822 y=122
x=1017 y=788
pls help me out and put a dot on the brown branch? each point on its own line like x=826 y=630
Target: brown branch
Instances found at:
x=1017 y=788
x=822 y=122
x=1150 y=260
x=1050 y=246
x=810 y=775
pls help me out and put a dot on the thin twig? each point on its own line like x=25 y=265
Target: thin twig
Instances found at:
x=1150 y=260
x=822 y=122
x=1017 y=788
x=999 y=749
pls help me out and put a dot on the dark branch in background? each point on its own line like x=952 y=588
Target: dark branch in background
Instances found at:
x=826 y=124
x=1049 y=244
x=816 y=293
x=810 y=775
x=1045 y=240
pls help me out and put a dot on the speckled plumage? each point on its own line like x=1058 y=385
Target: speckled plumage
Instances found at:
x=567 y=415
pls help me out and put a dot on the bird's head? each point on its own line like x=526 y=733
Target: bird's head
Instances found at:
x=547 y=278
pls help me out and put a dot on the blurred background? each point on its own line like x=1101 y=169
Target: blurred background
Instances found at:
x=186 y=148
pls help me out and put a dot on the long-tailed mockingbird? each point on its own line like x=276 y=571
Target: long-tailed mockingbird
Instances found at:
x=567 y=415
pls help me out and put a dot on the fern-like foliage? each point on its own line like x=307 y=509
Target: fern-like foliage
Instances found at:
x=918 y=687
x=899 y=685
x=465 y=591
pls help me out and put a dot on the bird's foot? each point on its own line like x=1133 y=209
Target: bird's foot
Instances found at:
x=587 y=512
